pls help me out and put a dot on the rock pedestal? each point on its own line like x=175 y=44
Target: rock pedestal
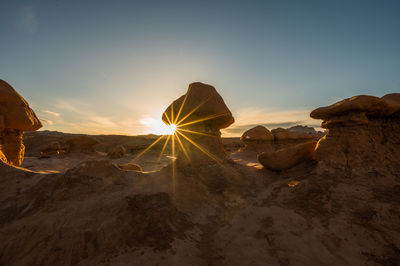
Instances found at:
x=362 y=135
x=199 y=115
x=15 y=117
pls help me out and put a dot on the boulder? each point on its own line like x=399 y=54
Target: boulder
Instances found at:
x=199 y=115
x=260 y=139
x=287 y=157
x=50 y=149
x=82 y=144
x=15 y=117
x=117 y=152
x=362 y=135
x=257 y=133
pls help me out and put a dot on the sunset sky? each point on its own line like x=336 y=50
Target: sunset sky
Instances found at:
x=114 y=66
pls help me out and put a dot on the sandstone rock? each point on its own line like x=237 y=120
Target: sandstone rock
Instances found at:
x=260 y=139
x=258 y=133
x=15 y=117
x=117 y=152
x=50 y=149
x=362 y=135
x=82 y=144
x=281 y=134
x=199 y=116
x=201 y=102
x=287 y=157
x=129 y=167
x=368 y=105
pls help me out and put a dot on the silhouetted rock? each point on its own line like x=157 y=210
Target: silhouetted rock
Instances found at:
x=117 y=152
x=287 y=157
x=82 y=144
x=50 y=149
x=362 y=135
x=199 y=115
x=15 y=117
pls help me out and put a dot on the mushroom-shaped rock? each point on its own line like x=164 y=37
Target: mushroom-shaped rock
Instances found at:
x=15 y=117
x=201 y=108
x=287 y=157
x=362 y=135
x=199 y=115
x=82 y=144
x=117 y=152
x=257 y=133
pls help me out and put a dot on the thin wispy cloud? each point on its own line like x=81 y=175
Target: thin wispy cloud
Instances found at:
x=46 y=122
x=51 y=113
x=28 y=20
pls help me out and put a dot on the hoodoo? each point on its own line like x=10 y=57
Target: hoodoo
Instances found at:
x=15 y=117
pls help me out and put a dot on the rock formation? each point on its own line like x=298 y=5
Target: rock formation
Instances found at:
x=362 y=135
x=287 y=157
x=199 y=115
x=117 y=152
x=82 y=144
x=50 y=149
x=15 y=117
x=260 y=139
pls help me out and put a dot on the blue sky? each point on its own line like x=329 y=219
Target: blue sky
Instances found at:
x=113 y=66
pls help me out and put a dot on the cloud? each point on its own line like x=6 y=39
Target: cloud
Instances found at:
x=46 y=121
x=28 y=21
x=51 y=113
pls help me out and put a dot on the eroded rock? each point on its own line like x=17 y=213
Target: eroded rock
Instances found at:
x=82 y=144
x=15 y=117
x=199 y=115
x=362 y=135
x=287 y=157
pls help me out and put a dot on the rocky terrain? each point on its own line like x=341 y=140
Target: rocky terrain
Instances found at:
x=102 y=200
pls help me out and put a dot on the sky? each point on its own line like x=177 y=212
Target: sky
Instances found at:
x=112 y=67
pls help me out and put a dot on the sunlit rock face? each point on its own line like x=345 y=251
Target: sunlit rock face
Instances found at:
x=285 y=158
x=363 y=135
x=199 y=115
x=15 y=117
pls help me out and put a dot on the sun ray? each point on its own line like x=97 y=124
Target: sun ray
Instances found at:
x=191 y=112
x=183 y=148
x=180 y=109
x=203 y=119
x=169 y=120
x=196 y=132
x=200 y=148
x=172 y=113
x=163 y=148
x=173 y=163
x=149 y=147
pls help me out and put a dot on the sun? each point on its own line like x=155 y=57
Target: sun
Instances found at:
x=158 y=127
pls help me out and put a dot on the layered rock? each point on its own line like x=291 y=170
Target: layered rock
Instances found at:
x=199 y=115
x=362 y=135
x=15 y=117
